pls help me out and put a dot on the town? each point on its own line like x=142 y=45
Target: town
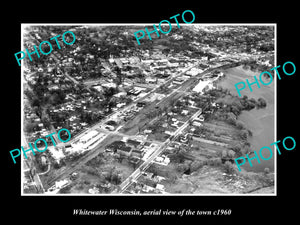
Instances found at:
x=144 y=119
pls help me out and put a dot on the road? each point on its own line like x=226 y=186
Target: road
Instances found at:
x=43 y=173
x=100 y=147
x=102 y=122
x=84 y=159
x=180 y=90
x=135 y=175
x=92 y=153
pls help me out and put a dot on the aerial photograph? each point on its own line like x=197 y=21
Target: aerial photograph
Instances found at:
x=162 y=117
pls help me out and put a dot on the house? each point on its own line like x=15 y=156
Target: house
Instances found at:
x=178 y=81
x=114 y=146
x=61 y=184
x=151 y=80
x=134 y=160
x=140 y=104
x=43 y=160
x=94 y=190
x=201 y=118
x=169 y=132
x=197 y=123
x=137 y=153
x=160 y=187
x=184 y=112
x=147 y=131
x=148 y=175
x=163 y=160
x=175 y=124
x=147 y=189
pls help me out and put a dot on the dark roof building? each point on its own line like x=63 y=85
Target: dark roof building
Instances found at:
x=133 y=143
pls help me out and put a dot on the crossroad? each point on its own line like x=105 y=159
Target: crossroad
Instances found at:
x=102 y=122
x=145 y=165
x=135 y=175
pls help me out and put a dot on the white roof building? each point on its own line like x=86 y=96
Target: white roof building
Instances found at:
x=88 y=136
x=62 y=183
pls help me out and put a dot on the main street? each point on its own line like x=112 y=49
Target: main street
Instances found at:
x=135 y=175
x=100 y=147
x=181 y=90
x=119 y=111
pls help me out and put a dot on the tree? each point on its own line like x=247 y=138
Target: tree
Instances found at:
x=217 y=162
x=46 y=122
x=229 y=167
x=109 y=92
x=231 y=154
x=30 y=127
x=266 y=170
x=224 y=154
x=231 y=118
x=116 y=178
x=182 y=168
x=236 y=148
x=195 y=165
x=243 y=134
x=261 y=103
x=240 y=125
x=245 y=97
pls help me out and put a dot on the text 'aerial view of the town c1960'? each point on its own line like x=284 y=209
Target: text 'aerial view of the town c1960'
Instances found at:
x=159 y=118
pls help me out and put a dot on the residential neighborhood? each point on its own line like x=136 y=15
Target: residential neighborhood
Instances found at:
x=155 y=118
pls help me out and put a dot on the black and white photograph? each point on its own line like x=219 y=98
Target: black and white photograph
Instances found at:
x=159 y=117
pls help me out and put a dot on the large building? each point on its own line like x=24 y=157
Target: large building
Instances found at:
x=88 y=141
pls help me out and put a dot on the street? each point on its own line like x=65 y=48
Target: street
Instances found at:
x=132 y=133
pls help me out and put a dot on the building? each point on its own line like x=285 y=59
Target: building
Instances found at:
x=133 y=143
x=88 y=141
x=114 y=146
x=90 y=135
x=124 y=150
x=160 y=187
x=137 y=153
x=151 y=80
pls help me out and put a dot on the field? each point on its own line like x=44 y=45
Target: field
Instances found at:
x=211 y=180
x=98 y=171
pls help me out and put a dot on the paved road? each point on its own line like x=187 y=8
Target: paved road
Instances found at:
x=43 y=173
x=135 y=175
x=102 y=122
x=74 y=166
x=181 y=90
x=100 y=147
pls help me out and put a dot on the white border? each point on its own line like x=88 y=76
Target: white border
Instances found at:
x=23 y=25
